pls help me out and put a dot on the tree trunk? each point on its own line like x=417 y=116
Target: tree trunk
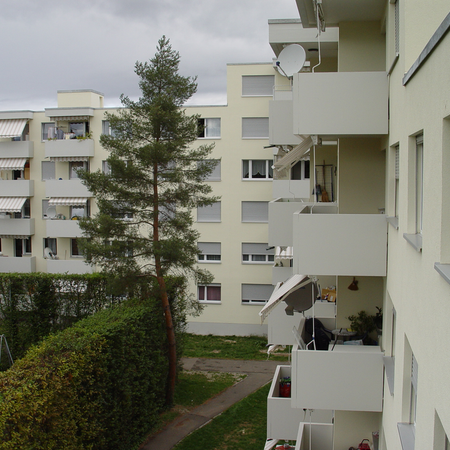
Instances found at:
x=171 y=341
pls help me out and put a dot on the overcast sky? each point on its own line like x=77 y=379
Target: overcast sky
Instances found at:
x=51 y=45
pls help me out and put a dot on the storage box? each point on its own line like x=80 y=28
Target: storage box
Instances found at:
x=329 y=294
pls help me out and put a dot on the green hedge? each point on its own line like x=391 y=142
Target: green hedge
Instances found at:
x=97 y=385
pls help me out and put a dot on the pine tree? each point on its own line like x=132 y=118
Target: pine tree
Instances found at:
x=155 y=179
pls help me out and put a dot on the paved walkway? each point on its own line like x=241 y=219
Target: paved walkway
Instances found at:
x=258 y=374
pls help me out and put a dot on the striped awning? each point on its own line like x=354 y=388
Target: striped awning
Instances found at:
x=295 y=155
x=14 y=236
x=67 y=201
x=284 y=252
x=10 y=128
x=12 y=163
x=70 y=118
x=11 y=204
x=69 y=158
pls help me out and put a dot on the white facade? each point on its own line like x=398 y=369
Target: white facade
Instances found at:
x=40 y=194
x=378 y=106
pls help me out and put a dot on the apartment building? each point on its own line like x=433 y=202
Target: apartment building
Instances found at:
x=373 y=117
x=41 y=196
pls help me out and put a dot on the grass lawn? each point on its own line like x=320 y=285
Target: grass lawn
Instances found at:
x=229 y=347
x=243 y=426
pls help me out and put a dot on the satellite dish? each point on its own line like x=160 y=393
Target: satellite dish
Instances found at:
x=51 y=212
x=48 y=254
x=291 y=60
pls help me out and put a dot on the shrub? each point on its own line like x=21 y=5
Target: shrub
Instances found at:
x=97 y=385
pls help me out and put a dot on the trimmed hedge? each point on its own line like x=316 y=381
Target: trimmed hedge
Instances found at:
x=97 y=385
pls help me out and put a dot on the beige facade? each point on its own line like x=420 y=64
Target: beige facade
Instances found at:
x=381 y=119
x=40 y=194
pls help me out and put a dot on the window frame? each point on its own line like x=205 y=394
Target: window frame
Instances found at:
x=204 y=219
x=203 y=126
x=45 y=126
x=215 y=256
x=48 y=242
x=72 y=174
x=268 y=170
x=247 y=204
x=48 y=163
x=259 y=89
x=250 y=254
x=74 y=244
x=255 y=287
x=250 y=127
x=205 y=288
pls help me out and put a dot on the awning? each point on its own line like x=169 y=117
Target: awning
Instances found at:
x=11 y=204
x=282 y=291
x=67 y=201
x=12 y=163
x=284 y=252
x=69 y=158
x=295 y=155
x=70 y=118
x=14 y=236
x=10 y=128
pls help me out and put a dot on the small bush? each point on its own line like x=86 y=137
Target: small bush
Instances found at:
x=97 y=385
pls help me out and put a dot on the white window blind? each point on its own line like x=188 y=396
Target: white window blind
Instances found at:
x=210 y=213
x=258 y=84
x=209 y=247
x=216 y=174
x=255 y=127
x=255 y=211
x=48 y=170
x=256 y=293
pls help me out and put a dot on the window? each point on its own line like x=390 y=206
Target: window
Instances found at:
x=396 y=179
x=419 y=184
x=74 y=166
x=210 y=293
x=48 y=170
x=255 y=212
x=257 y=169
x=211 y=213
x=22 y=247
x=106 y=129
x=257 y=85
x=74 y=251
x=209 y=128
x=413 y=399
x=79 y=211
x=78 y=129
x=105 y=168
x=256 y=294
x=216 y=174
x=257 y=254
x=50 y=243
x=209 y=252
x=255 y=128
x=25 y=213
x=300 y=170
x=48 y=131
x=44 y=208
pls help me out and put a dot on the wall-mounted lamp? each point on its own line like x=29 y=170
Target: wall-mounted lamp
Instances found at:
x=353 y=285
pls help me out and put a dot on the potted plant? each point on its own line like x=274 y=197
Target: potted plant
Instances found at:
x=362 y=324
x=285 y=387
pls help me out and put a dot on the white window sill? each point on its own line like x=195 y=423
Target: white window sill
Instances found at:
x=209 y=262
x=392 y=220
x=389 y=368
x=210 y=302
x=208 y=138
x=407 y=432
x=443 y=270
x=415 y=240
x=257 y=179
x=209 y=221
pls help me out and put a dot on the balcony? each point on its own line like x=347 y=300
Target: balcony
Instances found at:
x=69 y=148
x=16 y=149
x=71 y=266
x=66 y=188
x=63 y=228
x=291 y=189
x=340 y=103
x=17 y=188
x=314 y=436
x=348 y=378
x=339 y=244
x=11 y=264
x=282 y=419
x=281 y=213
x=16 y=227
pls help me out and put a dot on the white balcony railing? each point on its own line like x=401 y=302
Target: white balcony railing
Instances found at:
x=65 y=148
x=71 y=266
x=12 y=264
x=66 y=188
x=16 y=149
x=282 y=419
x=281 y=211
x=314 y=436
x=63 y=228
x=17 y=227
x=340 y=103
x=291 y=189
x=17 y=188
x=339 y=244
